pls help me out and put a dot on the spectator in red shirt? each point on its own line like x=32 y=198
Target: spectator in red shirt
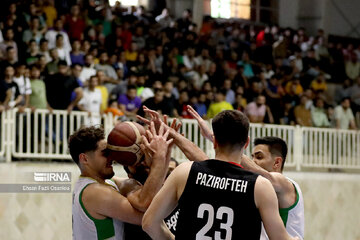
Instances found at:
x=74 y=24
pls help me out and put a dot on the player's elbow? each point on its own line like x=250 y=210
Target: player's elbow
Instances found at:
x=147 y=223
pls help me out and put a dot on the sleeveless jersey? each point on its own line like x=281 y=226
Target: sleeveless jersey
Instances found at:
x=293 y=216
x=218 y=203
x=84 y=225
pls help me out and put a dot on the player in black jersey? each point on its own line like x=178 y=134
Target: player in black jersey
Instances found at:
x=217 y=198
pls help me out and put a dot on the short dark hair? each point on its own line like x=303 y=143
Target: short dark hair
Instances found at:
x=62 y=63
x=59 y=35
x=277 y=147
x=84 y=140
x=131 y=87
x=231 y=128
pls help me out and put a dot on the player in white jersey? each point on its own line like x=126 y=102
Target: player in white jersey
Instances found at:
x=101 y=202
x=269 y=156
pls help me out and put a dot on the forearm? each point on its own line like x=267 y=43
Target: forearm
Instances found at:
x=142 y=198
x=191 y=150
x=159 y=231
x=251 y=166
x=27 y=100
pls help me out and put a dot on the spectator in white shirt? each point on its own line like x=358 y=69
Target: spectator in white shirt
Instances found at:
x=58 y=29
x=23 y=83
x=63 y=52
x=164 y=18
x=91 y=102
x=88 y=70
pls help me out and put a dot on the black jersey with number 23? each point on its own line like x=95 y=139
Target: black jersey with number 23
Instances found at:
x=218 y=203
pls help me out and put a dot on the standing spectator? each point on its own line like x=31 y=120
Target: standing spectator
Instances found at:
x=344 y=116
x=199 y=77
x=23 y=83
x=91 y=102
x=256 y=110
x=129 y=102
x=59 y=88
x=230 y=94
x=185 y=21
x=164 y=18
x=104 y=91
x=38 y=91
x=189 y=59
x=77 y=56
x=63 y=52
x=8 y=42
x=157 y=103
x=246 y=64
x=219 y=105
x=52 y=67
x=302 y=114
x=33 y=32
x=16 y=98
x=52 y=33
x=105 y=67
x=88 y=69
x=10 y=59
x=318 y=114
x=200 y=106
x=74 y=24
x=44 y=49
x=5 y=95
x=181 y=105
x=50 y=12
x=33 y=54
x=204 y=59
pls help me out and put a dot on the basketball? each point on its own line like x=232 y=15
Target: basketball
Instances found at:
x=124 y=143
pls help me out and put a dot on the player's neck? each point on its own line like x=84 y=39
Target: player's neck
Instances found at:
x=234 y=156
x=93 y=176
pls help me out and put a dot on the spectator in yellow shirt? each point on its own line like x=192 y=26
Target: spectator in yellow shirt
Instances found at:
x=294 y=87
x=319 y=84
x=219 y=105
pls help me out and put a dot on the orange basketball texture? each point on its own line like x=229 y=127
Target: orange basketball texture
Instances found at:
x=123 y=135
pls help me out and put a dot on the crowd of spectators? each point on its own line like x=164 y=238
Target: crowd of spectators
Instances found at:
x=98 y=58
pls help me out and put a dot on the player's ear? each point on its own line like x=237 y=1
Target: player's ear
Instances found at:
x=82 y=158
x=247 y=142
x=278 y=163
x=215 y=142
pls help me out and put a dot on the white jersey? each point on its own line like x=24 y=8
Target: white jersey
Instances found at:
x=91 y=102
x=84 y=225
x=293 y=216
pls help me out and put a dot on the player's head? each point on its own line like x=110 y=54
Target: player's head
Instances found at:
x=88 y=150
x=231 y=128
x=172 y=165
x=270 y=153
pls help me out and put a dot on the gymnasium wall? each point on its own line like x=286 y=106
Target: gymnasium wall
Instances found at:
x=331 y=204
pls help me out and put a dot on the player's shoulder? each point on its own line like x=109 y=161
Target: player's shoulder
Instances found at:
x=183 y=167
x=282 y=182
x=97 y=191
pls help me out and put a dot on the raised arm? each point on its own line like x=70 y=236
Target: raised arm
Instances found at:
x=157 y=148
x=204 y=128
x=284 y=189
x=191 y=150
